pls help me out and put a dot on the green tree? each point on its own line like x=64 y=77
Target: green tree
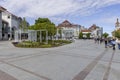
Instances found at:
x=113 y=33
x=117 y=34
x=60 y=32
x=88 y=35
x=80 y=35
x=105 y=35
x=42 y=20
x=44 y=24
x=23 y=25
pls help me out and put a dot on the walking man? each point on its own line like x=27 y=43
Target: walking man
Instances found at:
x=113 y=44
x=106 y=42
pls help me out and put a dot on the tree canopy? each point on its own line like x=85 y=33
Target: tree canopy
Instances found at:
x=105 y=35
x=80 y=35
x=44 y=24
x=117 y=34
x=88 y=35
x=60 y=32
x=23 y=24
x=42 y=20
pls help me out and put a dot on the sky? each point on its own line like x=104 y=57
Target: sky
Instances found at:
x=103 y=13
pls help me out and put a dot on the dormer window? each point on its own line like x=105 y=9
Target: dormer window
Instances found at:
x=8 y=17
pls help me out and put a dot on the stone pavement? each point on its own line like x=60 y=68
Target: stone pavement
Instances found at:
x=81 y=60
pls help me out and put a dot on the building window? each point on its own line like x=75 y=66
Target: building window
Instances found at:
x=8 y=17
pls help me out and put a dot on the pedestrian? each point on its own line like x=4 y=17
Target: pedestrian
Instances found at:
x=101 y=40
x=106 y=42
x=118 y=42
x=98 y=40
x=8 y=36
x=95 y=39
x=119 y=46
x=110 y=43
x=113 y=44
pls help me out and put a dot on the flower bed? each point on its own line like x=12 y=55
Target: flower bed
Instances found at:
x=28 y=44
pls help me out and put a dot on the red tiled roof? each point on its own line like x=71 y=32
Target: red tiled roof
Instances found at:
x=85 y=30
x=65 y=23
x=93 y=27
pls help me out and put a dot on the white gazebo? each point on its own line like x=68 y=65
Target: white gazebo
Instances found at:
x=32 y=35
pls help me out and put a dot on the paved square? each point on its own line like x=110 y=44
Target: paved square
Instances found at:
x=81 y=60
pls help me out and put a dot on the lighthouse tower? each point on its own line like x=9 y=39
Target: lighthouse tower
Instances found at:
x=117 y=24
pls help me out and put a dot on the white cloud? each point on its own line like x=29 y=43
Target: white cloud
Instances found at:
x=106 y=20
x=51 y=8
x=108 y=23
x=57 y=20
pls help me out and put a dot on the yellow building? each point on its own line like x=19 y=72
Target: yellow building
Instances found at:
x=117 y=27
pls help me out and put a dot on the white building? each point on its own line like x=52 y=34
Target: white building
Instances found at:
x=8 y=24
x=117 y=25
x=96 y=32
x=69 y=30
x=85 y=31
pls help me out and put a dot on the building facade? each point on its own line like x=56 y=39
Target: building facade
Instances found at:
x=117 y=24
x=85 y=32
x=96 y=31
x=8 y=24
x=68 y=30
x=72 y=30
x=117 y=27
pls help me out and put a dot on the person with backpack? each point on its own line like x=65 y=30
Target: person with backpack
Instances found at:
x=113 y=44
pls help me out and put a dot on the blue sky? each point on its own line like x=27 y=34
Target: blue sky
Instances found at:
x=84 y=12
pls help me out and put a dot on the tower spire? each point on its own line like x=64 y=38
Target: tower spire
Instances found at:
x=117 y=25
x=117 y=20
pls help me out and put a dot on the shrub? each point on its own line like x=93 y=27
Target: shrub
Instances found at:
x=62 y=41
x=117 y=34
x=28 y=44
x=80 y=35
x=46 y=46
